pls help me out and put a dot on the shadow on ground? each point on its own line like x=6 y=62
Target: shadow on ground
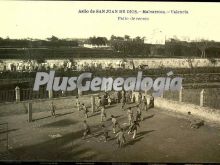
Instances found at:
x=138 y=137
x=57 y=115
x=63 y=148
x=60 y=123
x=148 y=117
x=10 y=130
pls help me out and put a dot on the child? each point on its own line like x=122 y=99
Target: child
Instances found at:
x=116 y=95
x=133 y=98
x=145 y=103
x=85 y=110
x=109 y=100
x=128 y=97
x=130 y=115
x=87 y=130
x=105 y=133
x=195 y=123
x=103 y=113
x=151 y=104
x=133 y=128
x=122 y=103
x=120 y=138
x=139 y=114
x=53 y=108
x=114 y=124
x=139 y=98
x=77 y=103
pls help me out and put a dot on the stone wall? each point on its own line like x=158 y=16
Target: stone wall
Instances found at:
x=205 y=113
x=115 y=63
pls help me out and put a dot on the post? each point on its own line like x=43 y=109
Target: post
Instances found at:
x=79 y=92
x=162 y=94
x=50 y=93
x=63 y=93
x=17 y=94
x=7 y=137
x=29 y=112
x=181 y=95
x=93 y=103
x=202 y=97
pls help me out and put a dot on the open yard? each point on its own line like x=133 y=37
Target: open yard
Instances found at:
x=162 y=137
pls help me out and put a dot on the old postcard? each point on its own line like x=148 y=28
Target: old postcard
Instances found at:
x=114 y=81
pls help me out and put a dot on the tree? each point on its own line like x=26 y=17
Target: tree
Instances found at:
x=97 y=41
x=127 y=37
x=53 y=38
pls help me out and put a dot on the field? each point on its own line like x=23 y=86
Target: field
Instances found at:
x=55 y=53
x=162 y=137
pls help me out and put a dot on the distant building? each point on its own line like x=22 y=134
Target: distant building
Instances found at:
x=95 y=46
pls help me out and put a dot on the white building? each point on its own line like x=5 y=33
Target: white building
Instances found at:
x=95 y=46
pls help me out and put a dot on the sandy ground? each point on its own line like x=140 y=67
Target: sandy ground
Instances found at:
x=162 y=137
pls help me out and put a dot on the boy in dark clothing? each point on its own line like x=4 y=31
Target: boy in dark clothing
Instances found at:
x=139 y=98
x=122 y=102
x=133 y=98
x=133 y=128
x=139 y=114
x=151 y=104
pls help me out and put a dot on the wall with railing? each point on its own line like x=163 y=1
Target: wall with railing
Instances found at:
x=209 y=97
x=20 y=94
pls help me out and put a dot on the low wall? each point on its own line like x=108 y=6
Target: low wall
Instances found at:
x=116 y=62
x=16 y=108
x=204 y=113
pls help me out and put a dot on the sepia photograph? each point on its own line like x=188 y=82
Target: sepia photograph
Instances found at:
x=109 y=81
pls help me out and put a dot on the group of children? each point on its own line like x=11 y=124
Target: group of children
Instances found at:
x=133 y=118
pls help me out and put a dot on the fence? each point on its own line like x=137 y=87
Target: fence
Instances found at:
x=3 y=137
x=203 y=97
x=208 y=97
x=28 y=94
x=7 y=95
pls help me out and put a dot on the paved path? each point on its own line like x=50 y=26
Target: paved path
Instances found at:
x=162 y=137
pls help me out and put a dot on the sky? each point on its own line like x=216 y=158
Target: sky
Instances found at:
x=42 y=19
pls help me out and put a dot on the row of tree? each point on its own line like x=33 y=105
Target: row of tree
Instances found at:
x=99 y=41
x=28 y=43
x=126 y=45
x=171 y=48
x=202 y=48
x=130 y=46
